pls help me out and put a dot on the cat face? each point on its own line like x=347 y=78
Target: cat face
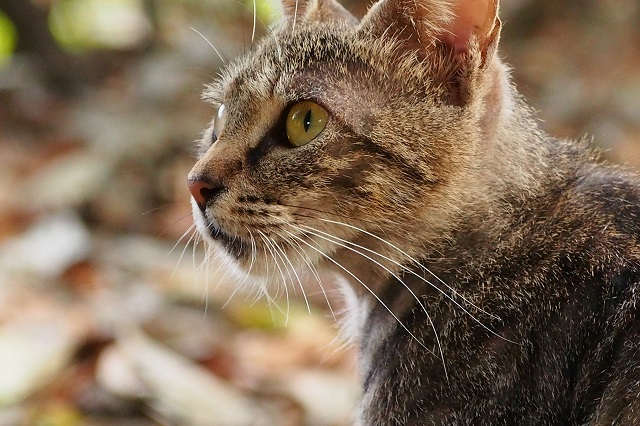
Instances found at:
x=331 y=131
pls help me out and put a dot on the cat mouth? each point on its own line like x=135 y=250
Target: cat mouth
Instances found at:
x=232 y=244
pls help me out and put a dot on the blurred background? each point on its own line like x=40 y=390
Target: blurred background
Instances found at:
x=108 y=312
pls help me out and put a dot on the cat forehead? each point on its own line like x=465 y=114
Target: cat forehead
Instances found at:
x=282 y=55
x=297 y=64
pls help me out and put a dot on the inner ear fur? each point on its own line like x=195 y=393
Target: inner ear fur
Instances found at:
x=315 y=10
x=459 y=37
x=474 y=21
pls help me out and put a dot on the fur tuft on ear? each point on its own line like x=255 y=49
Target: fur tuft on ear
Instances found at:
x=315 y=10
x=473 y=19
x=423 y=24
x=414 y=22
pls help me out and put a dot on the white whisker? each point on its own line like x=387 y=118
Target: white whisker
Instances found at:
x=255 y=15
x=210 y=44
x=233 y=293
x=268 y=245
x=366 y=287
x=186 y=246
x=293 y=269
x=262 y=287
x=408 y=270
x=247 y=273
x=333 y=239
x=415 y=261
x=184 y=234
x=295 y=17
x=305 y=258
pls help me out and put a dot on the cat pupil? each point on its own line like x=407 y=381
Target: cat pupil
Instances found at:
x=307 y=121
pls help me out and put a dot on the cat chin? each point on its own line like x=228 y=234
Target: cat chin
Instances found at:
x=237 y=264
x=226 y=246
x=233 y=254
x=214 y=234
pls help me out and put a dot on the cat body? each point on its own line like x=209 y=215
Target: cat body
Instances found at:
x=567 y=305
x=491 y=271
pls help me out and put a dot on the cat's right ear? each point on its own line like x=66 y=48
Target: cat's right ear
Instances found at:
x=456 y=38
x=454 y=27
x=315 y=10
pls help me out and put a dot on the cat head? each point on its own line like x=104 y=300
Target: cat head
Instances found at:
x=332 y=130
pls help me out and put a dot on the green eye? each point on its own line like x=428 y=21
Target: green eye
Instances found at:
x=305 y=121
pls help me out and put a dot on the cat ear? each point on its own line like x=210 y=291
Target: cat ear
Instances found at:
x=473 y=19
x=315 y=10
x=423 y=24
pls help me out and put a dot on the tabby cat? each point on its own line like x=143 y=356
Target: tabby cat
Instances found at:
x=492 y=273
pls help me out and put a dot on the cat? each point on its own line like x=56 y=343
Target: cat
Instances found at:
x=491 y=271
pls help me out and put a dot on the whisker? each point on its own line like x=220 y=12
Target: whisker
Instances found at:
x=197 y=238
x=275 y=253
x=417 y=299
x=315 y=274
x=366 y=287
x=246 y=273
x=186 y=246
x=207 y=259
x=293 y=269
x=233 y=293
x=305 y=258
x=160 y=208
x=193 y=256
x=340 y=215
x=253 y=250
x=184 y=234
x=408 y=270
x=255 y=14
x=416 y=262
x=193 y=225
x=172 y=224
x=267 y=244
x=262 y=287
x=210 y=44
x=295 y=16
x=209 y=253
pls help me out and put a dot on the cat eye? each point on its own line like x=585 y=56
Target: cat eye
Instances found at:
x=305 y=121
x=218 y=121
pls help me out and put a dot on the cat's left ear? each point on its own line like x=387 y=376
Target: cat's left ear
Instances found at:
x=461 y=26
x=315 y=10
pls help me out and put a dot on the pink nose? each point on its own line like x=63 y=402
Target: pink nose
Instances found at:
x=203 y=191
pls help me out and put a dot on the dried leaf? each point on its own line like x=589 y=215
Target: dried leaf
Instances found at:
x=184 y=392
x=31 y=354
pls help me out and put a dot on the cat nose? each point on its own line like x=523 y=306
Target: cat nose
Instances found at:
x=203 y=190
